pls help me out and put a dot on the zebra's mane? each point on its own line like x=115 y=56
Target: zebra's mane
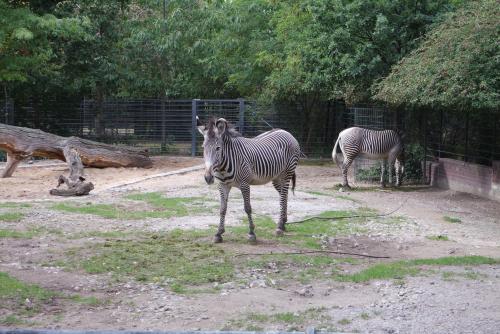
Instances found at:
x=230 y=130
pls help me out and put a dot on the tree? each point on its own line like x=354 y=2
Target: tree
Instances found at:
x=457 y=66
x=28 y=43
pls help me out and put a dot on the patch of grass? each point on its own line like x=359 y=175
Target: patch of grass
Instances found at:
x=364 y=316
x=15 y=294
x=296 y=267
x=11 y=320
x=180 y=258
x=310 y=235
x=11 y=216
x=347 y=198
x=439 y=237
x=344 y=321
x=101 y=234
x=318 y=193
x=295 y=321
x=6 y=233
x=28 y=234
x=453 y=220
x=402 y=269
x=14 y=205
x=91 y=301
x=164 y=207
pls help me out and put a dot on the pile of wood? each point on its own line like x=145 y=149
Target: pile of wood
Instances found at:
x=21 y=143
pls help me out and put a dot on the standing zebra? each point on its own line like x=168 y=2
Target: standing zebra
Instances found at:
x=371 y=144
x=240 y=162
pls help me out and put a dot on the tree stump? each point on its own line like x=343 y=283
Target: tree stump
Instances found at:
x=21 y=143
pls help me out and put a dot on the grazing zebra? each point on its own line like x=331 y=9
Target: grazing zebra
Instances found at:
x=371 y=144
x=236 y=161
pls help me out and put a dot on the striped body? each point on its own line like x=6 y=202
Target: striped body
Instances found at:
x=240 y=162
x=259 y=160
x=385 y=145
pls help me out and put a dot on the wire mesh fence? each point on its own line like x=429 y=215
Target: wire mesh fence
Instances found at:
x=168 y=126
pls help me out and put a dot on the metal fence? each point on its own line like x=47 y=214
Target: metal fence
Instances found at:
x=169 y=126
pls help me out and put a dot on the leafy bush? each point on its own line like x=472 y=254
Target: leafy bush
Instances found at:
x=414 y=155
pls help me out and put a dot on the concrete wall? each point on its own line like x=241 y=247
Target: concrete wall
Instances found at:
x=466 y=177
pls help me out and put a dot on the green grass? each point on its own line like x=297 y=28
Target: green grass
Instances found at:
x=162 y=207
x=306 y=235
x=364 y=316
x=5 y=233
x=344 y=321
x=439 y=237
x=11 y=320
x=401 y=269
x=14 y=205
x=452 y=219
x=180 y=258
x=101 y=234
x=14 y=293
x=291 y=321
x=91 y=301
x=11 y=216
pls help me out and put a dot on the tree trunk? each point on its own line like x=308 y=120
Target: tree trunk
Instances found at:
x=21 y=143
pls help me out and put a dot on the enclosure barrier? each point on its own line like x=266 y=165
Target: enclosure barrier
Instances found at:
x=310 y=330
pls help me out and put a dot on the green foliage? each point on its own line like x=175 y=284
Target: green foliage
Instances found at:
x=455 y=67
x=439 y=237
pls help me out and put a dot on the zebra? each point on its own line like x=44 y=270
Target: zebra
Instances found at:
x=236 y=161
x=371 y=144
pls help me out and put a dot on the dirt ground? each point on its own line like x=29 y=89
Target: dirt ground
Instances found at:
x=428 y=223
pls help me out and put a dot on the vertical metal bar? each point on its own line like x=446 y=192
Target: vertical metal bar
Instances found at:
x=466 y=156
x=425 y=145
x=440 y=133
x=194 y=111
x=163 y=131
x=241 y=123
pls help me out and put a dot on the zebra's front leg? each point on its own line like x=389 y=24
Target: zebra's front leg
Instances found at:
x=282 y=187
x=224 y=196
x=245 y=191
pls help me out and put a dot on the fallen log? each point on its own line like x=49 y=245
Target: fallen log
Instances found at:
x=20 y=143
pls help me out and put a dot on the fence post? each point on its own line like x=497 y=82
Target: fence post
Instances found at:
x=194 y=111
x=466 y=157
x=163 y=132
x=241 y=123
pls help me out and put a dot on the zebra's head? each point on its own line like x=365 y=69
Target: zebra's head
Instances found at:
x=212 y=145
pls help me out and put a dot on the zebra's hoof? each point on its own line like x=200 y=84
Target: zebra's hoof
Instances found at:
x=217 y=239
x=252 y=238
x=279 y=232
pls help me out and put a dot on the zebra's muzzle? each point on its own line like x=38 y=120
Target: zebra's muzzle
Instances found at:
x=209 y=178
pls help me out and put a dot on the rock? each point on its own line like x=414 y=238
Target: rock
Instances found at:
x=259 y=283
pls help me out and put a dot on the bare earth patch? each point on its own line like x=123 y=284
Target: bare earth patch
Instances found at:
x=82 y=253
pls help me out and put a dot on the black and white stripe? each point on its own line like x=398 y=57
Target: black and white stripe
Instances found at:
x=385 y=145
x=236 y=161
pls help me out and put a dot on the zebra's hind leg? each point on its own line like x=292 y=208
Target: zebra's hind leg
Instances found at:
x=345 y=168
x=397 y=167
x=224 y=195
x=282 y=187
x=245 y=191
x=382 y=172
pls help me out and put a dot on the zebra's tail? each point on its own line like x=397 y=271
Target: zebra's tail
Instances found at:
x=294 y=177
x=334 y=152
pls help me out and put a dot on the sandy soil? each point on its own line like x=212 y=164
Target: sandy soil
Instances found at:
x=34 y=180
x=466 y=302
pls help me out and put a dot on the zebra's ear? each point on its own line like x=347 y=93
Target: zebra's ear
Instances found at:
x=201 y=128
x=221 y=126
